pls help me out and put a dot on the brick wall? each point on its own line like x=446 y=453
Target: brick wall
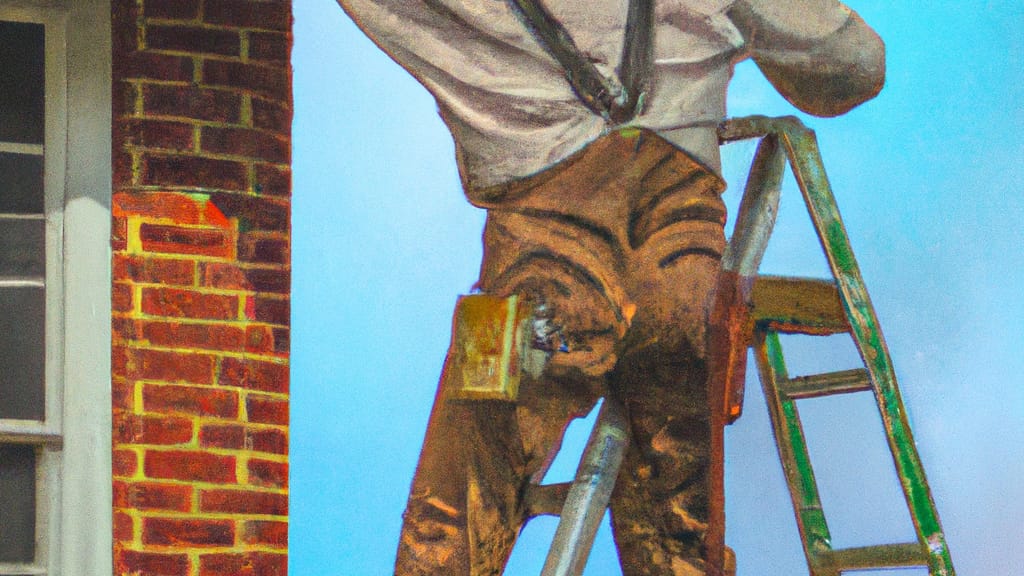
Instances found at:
x=202 y=113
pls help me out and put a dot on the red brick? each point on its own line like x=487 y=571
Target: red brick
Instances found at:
x=269 y=280
x=250 y=564
x=182 y=208
x=177 y=303
x=192 y=103
x=263 y=250
x=267 y=532
x=123 y=167
x=122 y=494
x=187 y=532
x=259 y=339
x=269 y=81
x=227 y=436
x=119 y=361
x=118 y=234
x=172 y=9
x=204 y=336
x=125 y=462
x=157 y=134
x=271 y=115
x=267 y=410
x=124 y=16
x=167 y=239
x=151 y=66
x=193 y=172
x=121 y=297
x=124 y=527
x=246 y=142
x=249 y=14
x=224 y=276
x=271 y=310
x=255 y=213
x=268 y=473
x=152 y=563
x=124 y=97
x=121 y=393
x=158 y=430
x=282 y=340
x=173 y=366
x=243 y=502
x=152 y=496
x=189 y=400
x=271 y=441
x=165 y=271
x=270 y=47
x=124 y=330
x=254 y=375
x=193 y=39
x=190 y=466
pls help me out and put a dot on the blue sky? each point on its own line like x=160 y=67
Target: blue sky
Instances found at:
x=929 y=180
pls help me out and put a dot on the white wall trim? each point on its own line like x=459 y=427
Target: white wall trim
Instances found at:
x=86 y=539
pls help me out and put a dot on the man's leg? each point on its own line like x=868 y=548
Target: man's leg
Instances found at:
x=660 y=510
x=664 y=503
x=465 y=509
x=435 y=538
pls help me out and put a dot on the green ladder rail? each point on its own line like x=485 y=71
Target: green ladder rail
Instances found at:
x=822 y=307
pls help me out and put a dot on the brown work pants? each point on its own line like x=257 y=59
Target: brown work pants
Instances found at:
x=618 y=249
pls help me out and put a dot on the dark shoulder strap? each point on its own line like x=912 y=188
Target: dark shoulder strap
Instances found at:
x=637 y=55
x=618 y=99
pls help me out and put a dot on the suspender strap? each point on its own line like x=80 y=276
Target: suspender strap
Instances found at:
x=635 y=71
x=617 y=99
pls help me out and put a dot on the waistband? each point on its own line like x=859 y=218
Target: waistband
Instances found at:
x=623 y=153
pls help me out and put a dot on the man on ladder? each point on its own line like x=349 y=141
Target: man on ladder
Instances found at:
x=587 y=129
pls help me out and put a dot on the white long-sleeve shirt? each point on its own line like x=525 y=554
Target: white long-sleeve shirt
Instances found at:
x=512 y=113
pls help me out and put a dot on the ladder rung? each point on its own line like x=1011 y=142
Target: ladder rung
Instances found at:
x=817 y=385
x=546 y=499
x=800 y=305
x=880 y=556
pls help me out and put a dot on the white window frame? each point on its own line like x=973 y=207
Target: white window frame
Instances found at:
x=74 y=531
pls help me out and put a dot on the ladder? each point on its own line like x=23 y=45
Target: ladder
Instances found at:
x=820 y=307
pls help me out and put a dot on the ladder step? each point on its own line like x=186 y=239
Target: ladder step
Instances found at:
x=880 y=556
x=546 y=499
x=799 y=305
x=817 y=385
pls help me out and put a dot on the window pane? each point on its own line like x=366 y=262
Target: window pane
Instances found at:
x=21 y=184
x=22 y=354
x=21 y=83
x=22 y=248
x=17 y=503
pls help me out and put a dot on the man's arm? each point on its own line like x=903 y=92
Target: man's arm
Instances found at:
x=819 y=54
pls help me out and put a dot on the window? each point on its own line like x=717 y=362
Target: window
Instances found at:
x=30 y=293
x=54 y=289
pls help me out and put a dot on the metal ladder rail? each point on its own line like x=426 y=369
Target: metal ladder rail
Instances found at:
x=589 y=494
x=856 y=316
